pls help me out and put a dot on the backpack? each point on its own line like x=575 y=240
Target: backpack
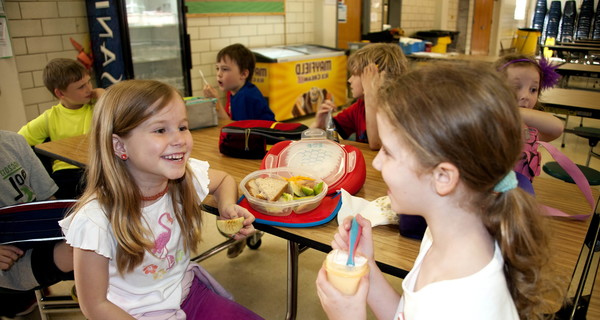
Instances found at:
x=248 y=139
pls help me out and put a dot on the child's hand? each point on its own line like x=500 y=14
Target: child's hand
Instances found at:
x=322 y=114
x=8 y=256
x=371 y=79
x=233 y=211
x=338 y=305
x=210 y=92
x=341 y=240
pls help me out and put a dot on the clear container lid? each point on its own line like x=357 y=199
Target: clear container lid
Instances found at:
x=313 y=153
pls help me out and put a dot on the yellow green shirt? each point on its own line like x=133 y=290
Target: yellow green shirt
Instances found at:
x=58 y=123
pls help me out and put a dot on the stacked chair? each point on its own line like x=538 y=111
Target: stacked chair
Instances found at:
x=596 y=28
x=584 y=21
x=552 y=20
x=567 y=24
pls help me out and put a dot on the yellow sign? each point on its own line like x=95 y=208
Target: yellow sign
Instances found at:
x=297 y=88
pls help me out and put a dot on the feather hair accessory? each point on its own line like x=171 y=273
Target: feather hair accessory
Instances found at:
x=550 y=76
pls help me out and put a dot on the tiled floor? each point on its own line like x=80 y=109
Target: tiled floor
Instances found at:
x=257 y=277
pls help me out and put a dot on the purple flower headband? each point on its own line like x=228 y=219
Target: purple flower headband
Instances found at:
x=549 y=75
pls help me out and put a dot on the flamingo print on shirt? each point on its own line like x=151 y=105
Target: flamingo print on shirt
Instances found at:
x=160 y=244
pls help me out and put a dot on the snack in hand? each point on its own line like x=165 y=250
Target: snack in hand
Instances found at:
x=230 y=226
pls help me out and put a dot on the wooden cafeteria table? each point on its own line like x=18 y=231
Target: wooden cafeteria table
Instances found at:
x=394 y=254
x=582 y=103
x=578 y=68
x=568 y=70
x=569 y=51
x=451 y=56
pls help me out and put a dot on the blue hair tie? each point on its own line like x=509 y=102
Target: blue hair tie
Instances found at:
x=507 y=183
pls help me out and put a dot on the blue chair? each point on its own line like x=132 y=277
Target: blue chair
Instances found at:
x=596 y=27
x=541 y=8
x=567 y=23
x=22 y=224
x=552 y=21
x=584 y=20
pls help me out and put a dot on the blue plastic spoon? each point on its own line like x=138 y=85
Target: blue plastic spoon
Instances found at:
x=355 y=231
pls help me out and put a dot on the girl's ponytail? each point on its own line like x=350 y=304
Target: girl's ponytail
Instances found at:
x=514 y=219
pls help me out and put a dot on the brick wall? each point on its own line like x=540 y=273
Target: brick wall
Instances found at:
x=376 y=16
x=210 y=34
x=420 y=15
x=417 y=15
x=40 y=32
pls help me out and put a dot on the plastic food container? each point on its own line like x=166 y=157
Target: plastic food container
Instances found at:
x=282 y=208
x=334 y=163
x=345 y=278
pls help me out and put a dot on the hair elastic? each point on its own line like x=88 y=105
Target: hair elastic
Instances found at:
x=507 y=183
x=549 y=75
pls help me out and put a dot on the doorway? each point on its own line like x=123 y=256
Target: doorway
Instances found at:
x=349 y=29
x=482 y=27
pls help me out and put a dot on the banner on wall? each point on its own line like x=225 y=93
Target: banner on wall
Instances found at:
x=107 y=47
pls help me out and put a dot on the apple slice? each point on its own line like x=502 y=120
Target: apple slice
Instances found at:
x=230 y=226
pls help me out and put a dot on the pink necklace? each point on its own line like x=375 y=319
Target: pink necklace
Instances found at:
x=156 y=196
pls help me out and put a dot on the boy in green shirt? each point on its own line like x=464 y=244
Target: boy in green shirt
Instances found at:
x=70 y=82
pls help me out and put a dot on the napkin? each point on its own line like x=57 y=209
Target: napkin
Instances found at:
x=378 y=211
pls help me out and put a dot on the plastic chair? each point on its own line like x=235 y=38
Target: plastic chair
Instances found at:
x=592 y=175
x=567 y=23
x=22 y=223
x=584 y=20
x=565 y=118
x=553 y=169
x=593 y=136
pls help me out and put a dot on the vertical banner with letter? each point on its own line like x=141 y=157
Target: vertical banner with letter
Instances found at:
x=108 y=49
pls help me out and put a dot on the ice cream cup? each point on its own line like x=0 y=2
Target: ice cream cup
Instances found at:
x=345 y=278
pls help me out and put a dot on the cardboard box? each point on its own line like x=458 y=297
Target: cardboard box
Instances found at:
x=296 y=79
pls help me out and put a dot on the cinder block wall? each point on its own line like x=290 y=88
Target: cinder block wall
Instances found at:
x=40 y=31
x=211 y=34
x=419 y=15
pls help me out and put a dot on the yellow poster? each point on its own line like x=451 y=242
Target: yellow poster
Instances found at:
x=297 y=88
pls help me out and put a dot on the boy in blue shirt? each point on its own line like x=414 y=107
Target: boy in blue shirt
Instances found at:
x=235 y=67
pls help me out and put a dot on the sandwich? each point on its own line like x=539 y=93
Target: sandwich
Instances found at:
x=269 y=189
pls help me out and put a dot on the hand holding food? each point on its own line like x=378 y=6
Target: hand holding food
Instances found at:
x=230 y=226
